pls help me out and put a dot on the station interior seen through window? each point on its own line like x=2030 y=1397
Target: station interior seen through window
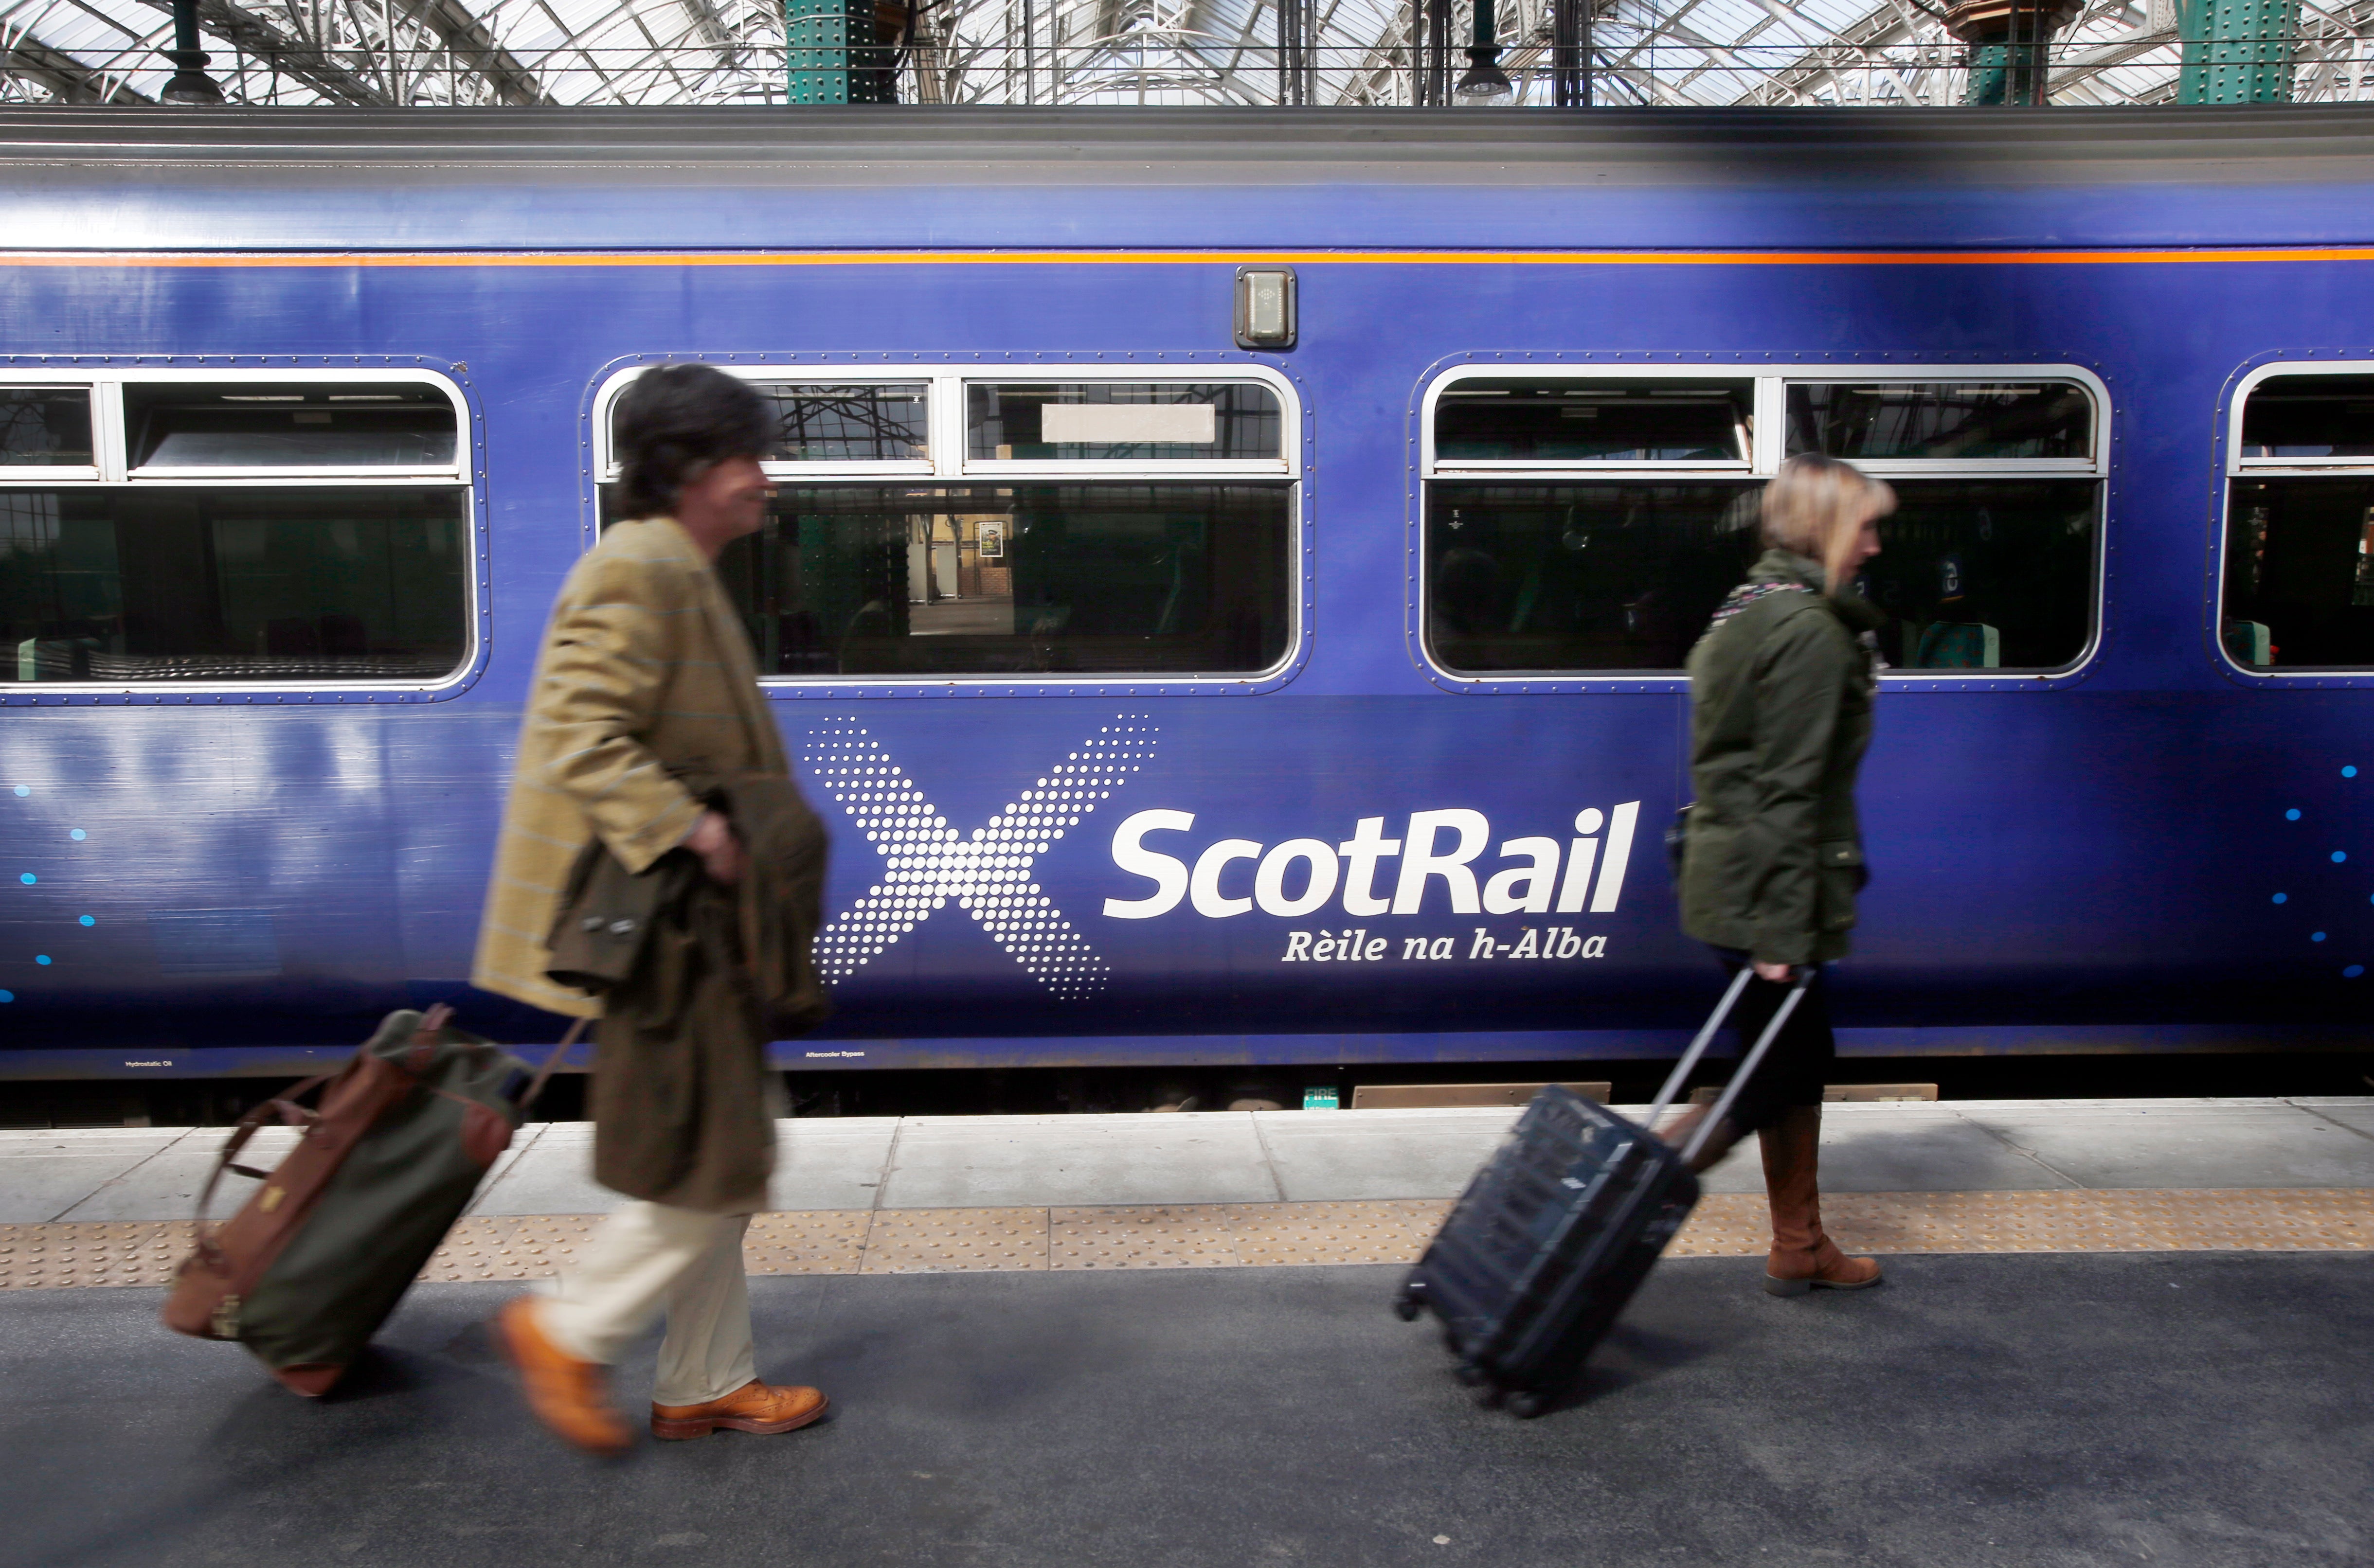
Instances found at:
x=45 y=428
x=1104 y=559
x=1535 y=571
x=1027 y=579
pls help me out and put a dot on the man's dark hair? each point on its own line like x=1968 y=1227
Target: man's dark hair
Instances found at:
x=675 y=423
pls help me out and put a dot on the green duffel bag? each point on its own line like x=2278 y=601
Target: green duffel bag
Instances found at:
x=319 y=1254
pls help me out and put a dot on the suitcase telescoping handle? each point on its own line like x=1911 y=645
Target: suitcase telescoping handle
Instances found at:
x=1747 y=1064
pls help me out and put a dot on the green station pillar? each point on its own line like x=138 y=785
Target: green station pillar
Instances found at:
x=2236 y=51
x=2010 y=46
x=2000 y=73
x=833 y=55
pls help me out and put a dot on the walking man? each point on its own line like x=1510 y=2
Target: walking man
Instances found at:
x=646 y=679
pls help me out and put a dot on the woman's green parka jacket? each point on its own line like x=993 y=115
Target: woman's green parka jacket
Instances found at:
x=1781 y=709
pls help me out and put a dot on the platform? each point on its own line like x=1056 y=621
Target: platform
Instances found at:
x=2112 y=1332
x=2200 y=1411
x=883 y=1195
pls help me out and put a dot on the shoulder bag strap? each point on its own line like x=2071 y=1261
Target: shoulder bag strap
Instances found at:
x=559 y=1052
x=284 y=1107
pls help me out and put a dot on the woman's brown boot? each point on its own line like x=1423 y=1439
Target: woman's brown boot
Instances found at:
x=1802 y=1256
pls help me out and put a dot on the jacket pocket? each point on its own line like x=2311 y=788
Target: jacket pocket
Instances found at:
x=1842 y=875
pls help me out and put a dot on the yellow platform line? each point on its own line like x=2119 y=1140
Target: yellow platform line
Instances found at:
x=1237 y=1235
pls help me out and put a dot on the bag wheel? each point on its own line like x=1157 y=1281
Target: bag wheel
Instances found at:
x=1525 y=1404
x=1406 y=1308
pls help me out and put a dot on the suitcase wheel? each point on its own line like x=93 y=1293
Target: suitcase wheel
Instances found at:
x=1467 y=1372
x=1406 y=1308
x=1525 y=1404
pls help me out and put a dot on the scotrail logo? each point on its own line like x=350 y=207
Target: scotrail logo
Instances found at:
x=1434 y=865
x=1301 y=876
x=1435 y=846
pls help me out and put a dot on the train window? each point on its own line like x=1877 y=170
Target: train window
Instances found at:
x=1546 y=420
x=2299 y=589
x=125 y=584
x=293 y=527
x=265 y=426
x=2310 y=416
x=1878 y=420
x=1123 y=422
x=46 y=428
x=1029 y=579
x=855 y=423
x=1610 y=553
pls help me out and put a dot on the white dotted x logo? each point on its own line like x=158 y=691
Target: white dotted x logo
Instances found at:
x=927 y=863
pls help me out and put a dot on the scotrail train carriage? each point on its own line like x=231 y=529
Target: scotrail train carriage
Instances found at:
x=1228 y=572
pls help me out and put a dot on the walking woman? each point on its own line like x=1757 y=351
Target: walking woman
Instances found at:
x=1781 y=709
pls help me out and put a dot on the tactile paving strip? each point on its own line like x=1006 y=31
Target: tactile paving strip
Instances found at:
x=1189 y=1236
x=1223 y=1236
x=510 y=1247
x=2298 y=1220
x=930 y=1241
x=1732 y=1225
x=106 y=1252
x=1376 y=1232
x=815 y=1241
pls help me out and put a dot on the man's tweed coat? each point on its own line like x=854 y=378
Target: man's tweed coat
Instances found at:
x=645 y=666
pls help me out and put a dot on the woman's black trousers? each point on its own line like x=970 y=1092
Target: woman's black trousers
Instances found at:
x=1798 y=1068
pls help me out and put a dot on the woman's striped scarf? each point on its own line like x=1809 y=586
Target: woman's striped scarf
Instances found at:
x=1747 y=593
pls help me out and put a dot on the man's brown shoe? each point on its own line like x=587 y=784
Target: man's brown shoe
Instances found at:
x=754 y=1407
x=572 y=1397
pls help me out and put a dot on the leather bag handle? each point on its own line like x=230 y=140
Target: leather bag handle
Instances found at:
x=284 y=1107
x=283 y=1104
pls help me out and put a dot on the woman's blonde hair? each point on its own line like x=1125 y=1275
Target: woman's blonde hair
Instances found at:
x=1816 y=506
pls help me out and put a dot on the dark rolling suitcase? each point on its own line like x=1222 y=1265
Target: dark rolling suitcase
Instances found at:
x=310 y=1267
x=1560 y=1226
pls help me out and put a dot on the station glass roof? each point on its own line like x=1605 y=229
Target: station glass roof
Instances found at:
x=1701 y=53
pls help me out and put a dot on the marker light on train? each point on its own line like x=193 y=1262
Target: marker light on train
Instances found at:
x=1265 y=308
x=1299 y=876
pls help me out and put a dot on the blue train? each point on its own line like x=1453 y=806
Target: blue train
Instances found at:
x=1228 y=573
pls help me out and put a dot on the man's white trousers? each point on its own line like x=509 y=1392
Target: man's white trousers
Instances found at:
x=647 y=1258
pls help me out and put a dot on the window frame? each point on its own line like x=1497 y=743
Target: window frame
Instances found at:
x=2234 y=465
x=107 y=377
x=1433 y=467
x=1772 y=376
x=2241 y=465
x=278 y=474
x=948 y=440
x=948 y=436
x=1961 y=467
